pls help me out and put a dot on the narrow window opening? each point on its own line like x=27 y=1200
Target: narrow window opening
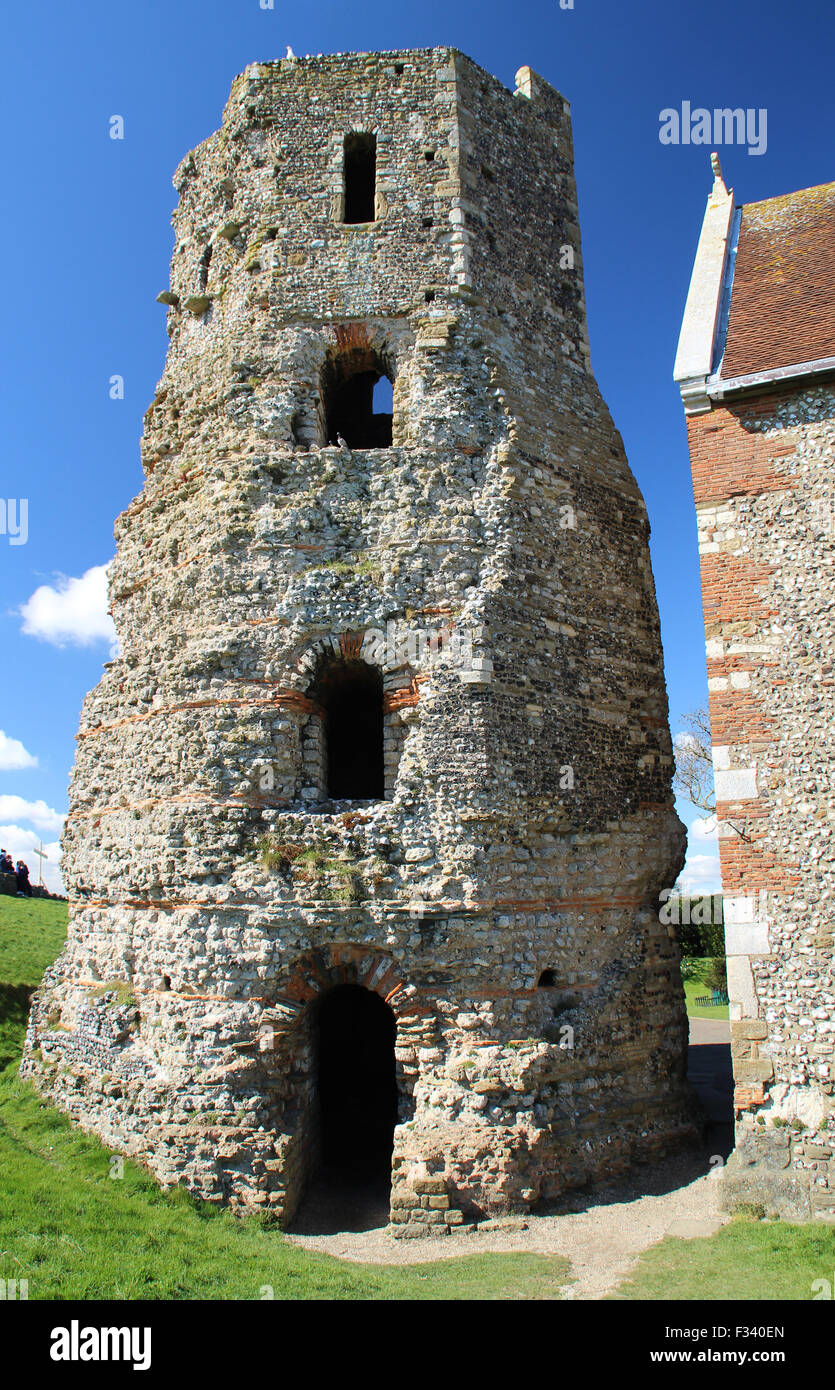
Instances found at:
x=547 y=980
x=357 y=400
x=429 y=296
x=429 y=155
x=166 y=981
x=398 y=68
x=205 y=262
x=351 y=695
x=297 y=427
x=426 y=222
x=360 y=177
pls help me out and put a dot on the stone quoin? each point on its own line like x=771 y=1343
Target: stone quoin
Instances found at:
x=371 y=813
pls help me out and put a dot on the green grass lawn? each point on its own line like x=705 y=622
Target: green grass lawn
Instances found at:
x=696 y=987
x=745 y=1260
x=32 y=932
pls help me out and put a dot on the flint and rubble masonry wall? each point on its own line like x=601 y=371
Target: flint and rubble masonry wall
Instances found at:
x=762 y=475
x=528 y=822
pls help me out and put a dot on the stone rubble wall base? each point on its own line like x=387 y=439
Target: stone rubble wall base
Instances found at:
x=8 y=888
x=444 y=1178
x=501 y=1181
x=771 y=1175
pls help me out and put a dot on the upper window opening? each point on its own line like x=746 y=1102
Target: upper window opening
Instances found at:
x=357 y=400
x=382 y=397
x=547 y=980
x=360 y=176
x=351 y=696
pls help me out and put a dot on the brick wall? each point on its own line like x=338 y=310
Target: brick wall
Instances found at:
x=762 y=481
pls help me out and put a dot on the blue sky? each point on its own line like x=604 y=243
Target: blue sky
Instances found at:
x=87 y=239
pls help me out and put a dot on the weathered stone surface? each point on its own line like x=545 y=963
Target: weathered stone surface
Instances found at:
x=492 y=564
x=759 y=1176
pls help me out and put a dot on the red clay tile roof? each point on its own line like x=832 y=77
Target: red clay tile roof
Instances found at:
x=783 y=295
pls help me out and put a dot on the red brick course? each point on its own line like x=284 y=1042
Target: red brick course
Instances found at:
x=729 y=458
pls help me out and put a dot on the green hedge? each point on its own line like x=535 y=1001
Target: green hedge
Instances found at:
x=698 y=924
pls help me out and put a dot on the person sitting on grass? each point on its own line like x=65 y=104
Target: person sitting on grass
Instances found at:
x=24 y=887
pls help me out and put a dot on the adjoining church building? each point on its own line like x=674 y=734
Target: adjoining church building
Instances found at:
x=756 y=369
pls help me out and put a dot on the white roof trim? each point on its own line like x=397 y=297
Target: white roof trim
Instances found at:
x=716 y=388
x=695 y=356
x=704 y=329
x=724 y=315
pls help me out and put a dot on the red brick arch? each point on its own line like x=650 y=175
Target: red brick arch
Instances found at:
x=319 y=970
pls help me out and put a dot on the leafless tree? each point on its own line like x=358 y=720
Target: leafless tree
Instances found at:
x=693 y=777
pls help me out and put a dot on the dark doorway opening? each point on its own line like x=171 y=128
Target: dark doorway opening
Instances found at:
x=357 y=399
x=357 y=1083
x=360 y=176
x=351 y=695
x=353 y=1035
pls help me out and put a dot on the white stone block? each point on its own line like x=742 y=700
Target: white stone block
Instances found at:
x=739 y=911
x=737 y=785
x=746 y=938
x=721 y=757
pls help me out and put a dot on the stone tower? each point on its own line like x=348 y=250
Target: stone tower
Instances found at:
x=756 y=369
x=370 y=817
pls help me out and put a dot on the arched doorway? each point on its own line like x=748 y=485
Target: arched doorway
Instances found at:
x=356 y=1083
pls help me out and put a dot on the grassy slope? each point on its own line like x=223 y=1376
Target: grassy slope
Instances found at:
x=75 y=1232
x=32 y=932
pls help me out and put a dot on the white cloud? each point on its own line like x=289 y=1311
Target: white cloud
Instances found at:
x=702 y=828
x=701 y=874
x=687 y=743
x=74 y=612
x=13 y=756
x=36 y=812
x=21 y=844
